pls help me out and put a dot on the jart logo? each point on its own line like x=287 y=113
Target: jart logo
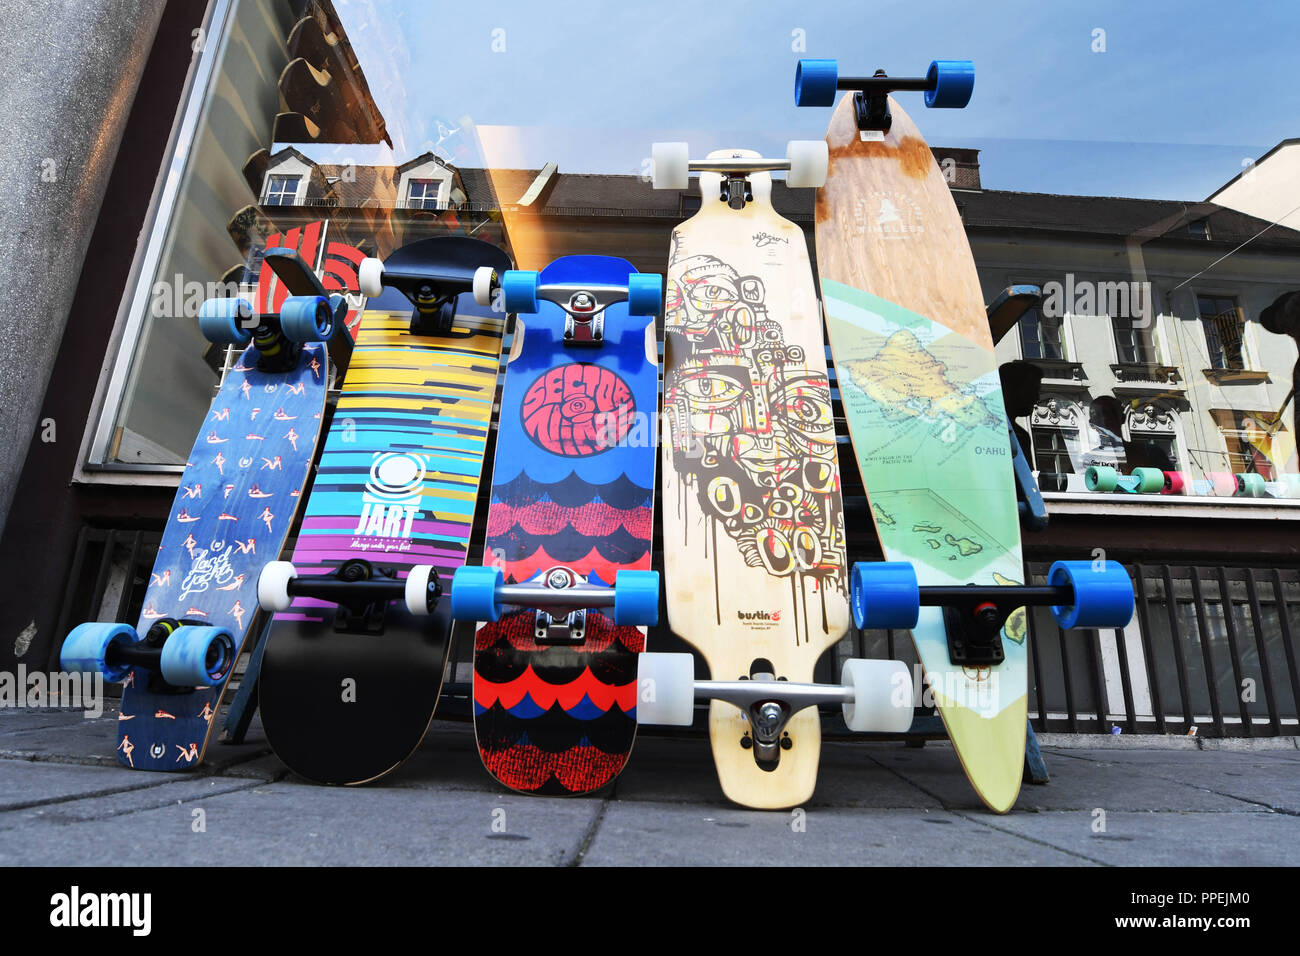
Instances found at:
x=772 y=616
x=391 y=501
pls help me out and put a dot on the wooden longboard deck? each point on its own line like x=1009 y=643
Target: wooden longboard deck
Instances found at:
x=919 y=381
x=238 y=496
x=573 y=487
x=754 y=547
x=396 y=485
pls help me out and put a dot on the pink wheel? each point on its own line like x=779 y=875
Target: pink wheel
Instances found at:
x=1175 y=483
x=1223 y=483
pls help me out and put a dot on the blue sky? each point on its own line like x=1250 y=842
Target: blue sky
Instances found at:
x=1183 y=93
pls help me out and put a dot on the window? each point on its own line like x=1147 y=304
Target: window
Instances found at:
x=1256 y=442
x=1223 y=324
x=1199 y=229
x=1051 y=452
x=282 y=191
x=423 y=194
x=1041 y=336
x=1133 y=342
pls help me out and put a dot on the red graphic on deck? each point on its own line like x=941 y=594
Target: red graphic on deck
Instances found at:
x=578 y=410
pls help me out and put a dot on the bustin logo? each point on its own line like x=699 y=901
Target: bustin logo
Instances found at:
x=391 y=501
x=772 y=616
x=75 y=908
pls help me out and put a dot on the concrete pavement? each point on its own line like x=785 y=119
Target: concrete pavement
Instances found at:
x=1126 y=801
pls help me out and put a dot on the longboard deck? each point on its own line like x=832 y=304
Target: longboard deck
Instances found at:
x=754 y=544
x=919 y=381
x=573 y=487
x=397 y=484
x=238 y=496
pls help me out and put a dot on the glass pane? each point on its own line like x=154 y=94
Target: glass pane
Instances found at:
x=348 y=128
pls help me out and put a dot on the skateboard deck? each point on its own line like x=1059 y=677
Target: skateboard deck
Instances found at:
x=919 y=381
x=753 y=525
x=349 y=685
x=238 y=496
x=573 y=496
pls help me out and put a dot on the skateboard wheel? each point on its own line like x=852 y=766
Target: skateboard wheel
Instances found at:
x=882 y=696
x=814 y=82
x=884 y=595
x=222 y=321
x=520 y=290
x=665 y=689
x=636 y=598
x=1100 y=478
x=474 y=592
x=670 y=165
x=1176 y=483
x=645 y=293
x=1222 y=482
x=273 y=586
x=485 y=278
x=1103 y=594
x=370 y=277
x=197 y=656
x=1290 y=486
x=418 y=600
x=954 y=81
x=1252 y=485
x=86 y=649
x=1149 y=480
x=809 y=162
x=307 y=318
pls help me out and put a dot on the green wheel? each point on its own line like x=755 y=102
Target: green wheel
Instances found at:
x=1149 y=480
x=1102 y=478
x=1252 y=485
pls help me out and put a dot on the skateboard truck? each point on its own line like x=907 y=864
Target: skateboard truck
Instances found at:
x=875 y=695
x=947 y=85
x=360 y=591
x=885 y=595
x=584 y=304
x=178 y=655
x=308 y=314
x=559 y=598
x=434 y=295
x=805 y=160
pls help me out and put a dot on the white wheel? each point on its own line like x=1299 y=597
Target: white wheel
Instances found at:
x=665 y=689
x=809 y=161
x=882 y=696
x=670 y=165
x=371 y=277
x=417 y=590
x=273 y=586
x=483 y=277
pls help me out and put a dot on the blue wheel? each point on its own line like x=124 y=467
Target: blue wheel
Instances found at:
x=954 y=81
x=307 y=318
x=814 y=82
x=645 y=293
x=222 y=321
x=196 y=655
x=520 y=290
x=1103 y=594
x=474 y=592
x=636 y=597
x=884 y=595
x=86 y=649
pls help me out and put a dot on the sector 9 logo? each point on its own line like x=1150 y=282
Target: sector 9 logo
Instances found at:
x=578 y=410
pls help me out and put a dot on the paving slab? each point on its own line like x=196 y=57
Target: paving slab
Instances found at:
x=701 y=835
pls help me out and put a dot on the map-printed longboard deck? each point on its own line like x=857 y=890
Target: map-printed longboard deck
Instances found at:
x=919 y=381
x=242 y=486
x=396 y=486
x=754 y=547
x=573 y=487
